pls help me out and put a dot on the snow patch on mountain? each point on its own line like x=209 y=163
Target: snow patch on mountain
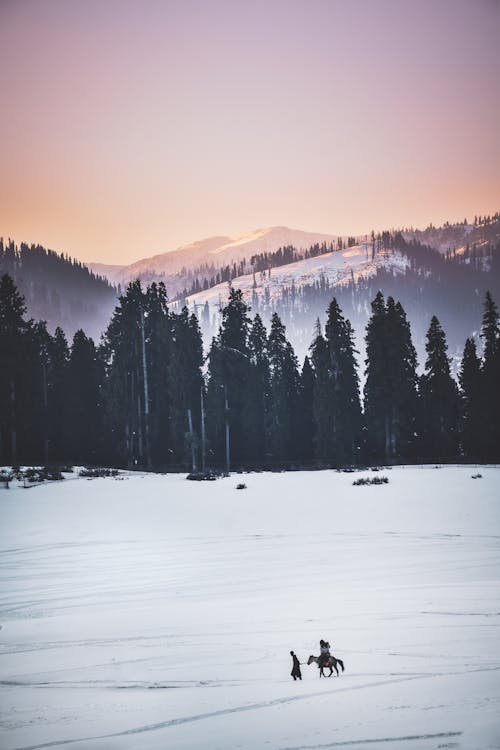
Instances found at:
x=339 y=267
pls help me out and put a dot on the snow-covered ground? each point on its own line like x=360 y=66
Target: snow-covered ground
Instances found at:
x=151 y=612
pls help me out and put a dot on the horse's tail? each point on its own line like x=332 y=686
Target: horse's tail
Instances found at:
x=341 y=664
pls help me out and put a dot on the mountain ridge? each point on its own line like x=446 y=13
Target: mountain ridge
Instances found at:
x=216 y=250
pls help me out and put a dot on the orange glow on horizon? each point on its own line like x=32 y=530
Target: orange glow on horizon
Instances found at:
x=129 y=129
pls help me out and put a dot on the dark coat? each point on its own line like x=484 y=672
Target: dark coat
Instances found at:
x=296 y=667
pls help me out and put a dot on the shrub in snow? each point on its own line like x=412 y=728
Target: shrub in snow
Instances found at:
x=206 y=476
x=92 y=472
x=476 y=476
x=241 y=486
x=42 y=474
x=52 y=473
x=5 y=478
x=370 y=480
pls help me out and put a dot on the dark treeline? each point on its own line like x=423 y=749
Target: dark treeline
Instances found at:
x=146 y=397
x=56 y=288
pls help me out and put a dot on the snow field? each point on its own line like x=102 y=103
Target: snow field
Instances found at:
x=151 y=612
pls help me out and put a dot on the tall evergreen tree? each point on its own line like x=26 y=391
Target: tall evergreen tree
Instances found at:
x=125 y=403
x=59 y=424
x=185 y=383
x=391 y=383
x=305 y=417
x=158 y=348
x=321 y=396
x=490 y=390
x=255 y=416
x=376 y=390
x=402 y=370
x=16 y=386
x=284 y=393
x=229 y=371
x=42 y=380
x=343 y=404
x=439 y=399
x=472 y=425
x=85 y=378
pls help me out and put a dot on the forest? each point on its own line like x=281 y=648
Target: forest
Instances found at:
x=58 y=289
x=147 y=397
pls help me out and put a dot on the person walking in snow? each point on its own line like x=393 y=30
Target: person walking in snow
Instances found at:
x=296 y=673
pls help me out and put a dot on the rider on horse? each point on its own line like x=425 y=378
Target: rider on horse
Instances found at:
x=325 y=653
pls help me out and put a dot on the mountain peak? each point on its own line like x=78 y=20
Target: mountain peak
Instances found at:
x=215 y=251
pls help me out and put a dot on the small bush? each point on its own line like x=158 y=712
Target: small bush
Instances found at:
x=38 y=474
x=370 y=480
x=210 y=475
x=5 y=478
x=16 y=472
x=93 y=472
x=241 y=486
x=52 y=474
x=476 y=476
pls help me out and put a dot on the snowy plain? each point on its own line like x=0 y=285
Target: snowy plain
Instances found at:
x=151 y=612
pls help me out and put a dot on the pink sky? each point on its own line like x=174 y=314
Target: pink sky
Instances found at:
x=130 y=127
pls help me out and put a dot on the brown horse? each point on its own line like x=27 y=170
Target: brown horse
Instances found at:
x=331 y=664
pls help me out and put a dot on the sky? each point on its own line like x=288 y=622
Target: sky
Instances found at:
x=131 y=127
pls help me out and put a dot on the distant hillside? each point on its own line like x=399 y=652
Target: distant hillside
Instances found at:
x=448 y=276
x=57 y=289
x=202 y=259
x=445 y=270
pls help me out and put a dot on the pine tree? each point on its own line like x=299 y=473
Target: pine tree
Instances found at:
x=284 y=390
x=122 y=349
x=344 y=404
x=59 y=423
x=490 y=390
x=258 y=393
x=376 y=390
x=305 y=418
x=321 y=396
x=42 y=377
x=229 y=372
x=391 y=383
x=185 y=382
x=402 y=381
x=472 y=435
x=16 y=391
x=85 y=378
x=439 y=399
x=158 y=352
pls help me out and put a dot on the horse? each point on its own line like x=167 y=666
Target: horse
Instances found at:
x=331 y=663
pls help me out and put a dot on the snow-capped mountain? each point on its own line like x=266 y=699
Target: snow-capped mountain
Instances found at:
x=212 y=251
